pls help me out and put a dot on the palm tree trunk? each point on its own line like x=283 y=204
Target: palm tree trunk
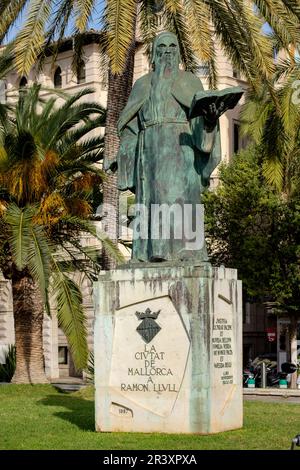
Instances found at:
x=119 y=88
x=28 y=309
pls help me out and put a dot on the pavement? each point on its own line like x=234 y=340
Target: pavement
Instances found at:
x=68 y=384
x=278 y=395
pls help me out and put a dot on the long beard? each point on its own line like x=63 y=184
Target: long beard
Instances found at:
x=166 y=67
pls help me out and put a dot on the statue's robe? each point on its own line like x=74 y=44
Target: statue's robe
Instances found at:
x=165 y=158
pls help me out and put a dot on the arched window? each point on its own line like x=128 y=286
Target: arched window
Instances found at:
x=57 y=78
x=23 y=82
x=81 y=77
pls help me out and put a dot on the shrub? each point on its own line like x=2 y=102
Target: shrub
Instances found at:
x=7 y=370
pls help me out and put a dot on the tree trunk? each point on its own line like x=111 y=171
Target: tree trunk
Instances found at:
x=28 y=317
x=119 y=88
x=293 y=347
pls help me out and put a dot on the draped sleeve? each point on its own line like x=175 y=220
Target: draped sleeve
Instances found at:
x=126 y=158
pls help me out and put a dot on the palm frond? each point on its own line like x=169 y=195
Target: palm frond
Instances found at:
x=70 y=314
x=286 y=68
x=4 y=4
x=19 y=221
x=27 y=106
x=82 y=259
x=39 y=258
x=293 y=6
x=229 y=35
x=73 y=136
x=61 y=19
x=176 y=22
x=173 y=6
x=79 y=253
x=255 y=113
x=148 y=23
x=202 y=36
x=61 y=14
x=65 y=119
x=9 y=13
x=83 y=13
x=37 y=125
x=6 y=61
x=273 y=172
x=259 y=43
x=119 y=25
x=30 y=40
x=85 y=154
x=78 y=58
x=89 y=227
x=289 y=109
x=282 y=19
x=70 y=100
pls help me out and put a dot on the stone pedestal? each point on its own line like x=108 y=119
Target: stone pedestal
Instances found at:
x=168 y=349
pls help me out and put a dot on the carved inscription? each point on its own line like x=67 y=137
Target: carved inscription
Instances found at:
x=222 y=350
x=147 y=369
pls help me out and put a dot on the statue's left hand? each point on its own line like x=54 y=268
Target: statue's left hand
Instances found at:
x=212 y=114
x=211 y=104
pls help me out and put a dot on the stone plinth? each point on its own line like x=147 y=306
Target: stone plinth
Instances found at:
x=168 y=349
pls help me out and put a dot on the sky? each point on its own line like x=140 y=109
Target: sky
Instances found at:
x=94 y=23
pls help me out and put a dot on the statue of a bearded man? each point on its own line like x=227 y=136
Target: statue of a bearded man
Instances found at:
x=166 y=157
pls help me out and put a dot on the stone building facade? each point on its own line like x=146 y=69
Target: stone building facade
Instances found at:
x=58 y=74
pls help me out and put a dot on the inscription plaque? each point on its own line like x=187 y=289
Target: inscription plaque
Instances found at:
x=148 y=368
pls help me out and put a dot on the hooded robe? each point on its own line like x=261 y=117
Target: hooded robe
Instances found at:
x=165 y=158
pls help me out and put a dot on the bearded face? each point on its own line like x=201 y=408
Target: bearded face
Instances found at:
x=166 y=55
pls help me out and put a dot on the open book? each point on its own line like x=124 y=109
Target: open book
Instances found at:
x=223 y=99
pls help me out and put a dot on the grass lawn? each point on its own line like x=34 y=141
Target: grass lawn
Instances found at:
x=40 y=417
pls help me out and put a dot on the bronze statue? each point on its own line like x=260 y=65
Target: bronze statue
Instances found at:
x=169 y=146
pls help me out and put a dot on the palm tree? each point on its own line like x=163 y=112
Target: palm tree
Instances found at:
x=235 y=24
x=47 y=173
x=274 y=125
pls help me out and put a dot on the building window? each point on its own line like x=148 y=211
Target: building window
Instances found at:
x=236 y=137
x=62 y=355
x=57 y=78
x=23 y=82
x=81 y=76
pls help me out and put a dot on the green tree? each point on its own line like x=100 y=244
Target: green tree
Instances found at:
x=47 y=173
x=251 y=227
